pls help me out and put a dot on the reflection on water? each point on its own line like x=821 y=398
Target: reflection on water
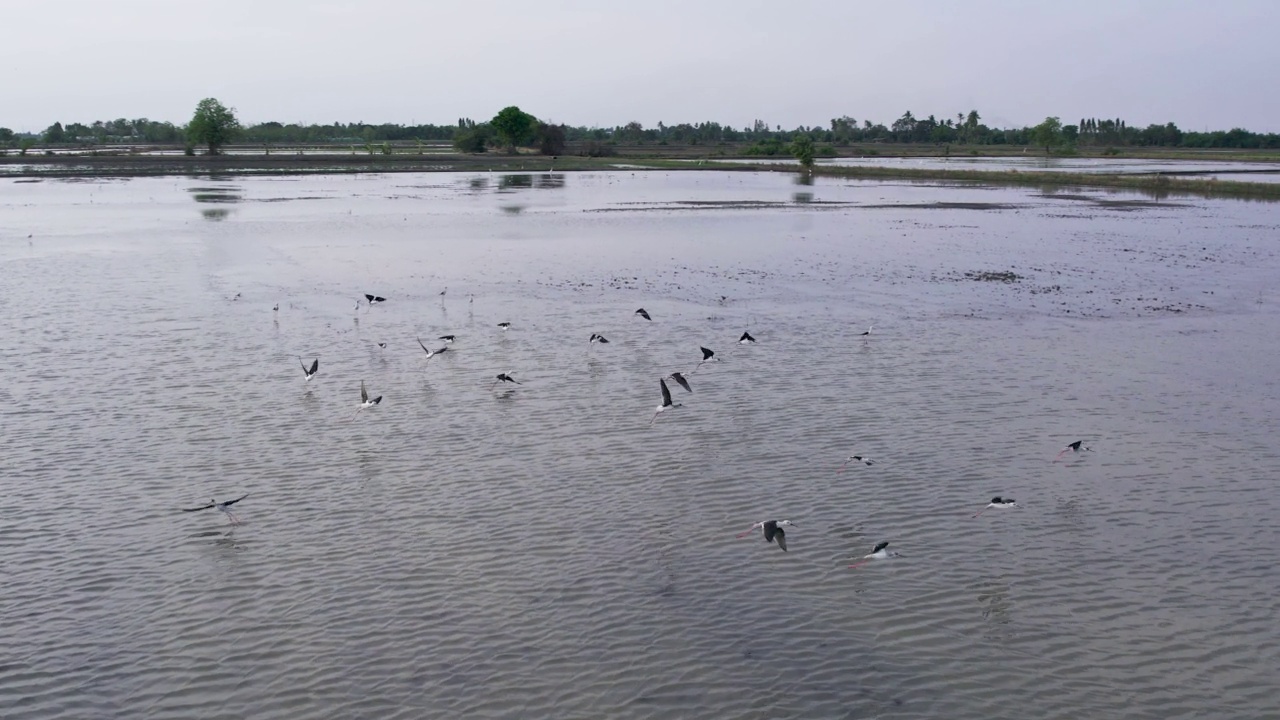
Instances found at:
x=216 y=194
x=215 y=214
x=802 y=197
x=526 y=181
x=512 y=209
x=508 y=183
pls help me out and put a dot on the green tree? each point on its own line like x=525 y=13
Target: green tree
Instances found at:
x=472 y=138
x=802 y=149
x=54 y=134
x=214 y=125
x=550 y=139
x=513 y=127
x=1047 y=134
x=6 y=137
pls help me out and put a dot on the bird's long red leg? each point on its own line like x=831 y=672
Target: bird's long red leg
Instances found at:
x=859 y=564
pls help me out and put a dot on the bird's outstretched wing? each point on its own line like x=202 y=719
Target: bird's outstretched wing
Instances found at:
x=194 y=509
x=314 y=367
x=233 y=502
x=369 y=297
x=666 y=393
x=781 y=537
x=706 y=354
x=682 y=382
x=424 y=347
x=364 y=394
x=879 y=547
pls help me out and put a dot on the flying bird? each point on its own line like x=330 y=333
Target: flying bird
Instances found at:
x=746 y=338
x=597 y=338
x=666 y=402
x=707 y=356
x=447 y=338
x=504 y=377
x=679 y=378
x=365 y=402
x=772 y=531
x=1074 y=447
x=641 y=312
x=431 y=353
x=877 y=553
x=221 y=507
x=860 y=458
x=505 y=326
x=374 y=299
x=998 y=503
x=315 y=366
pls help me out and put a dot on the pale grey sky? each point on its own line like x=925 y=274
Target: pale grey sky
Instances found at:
x=1200 y=64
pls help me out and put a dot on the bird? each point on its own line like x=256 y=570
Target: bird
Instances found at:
x=381 y=345
x=447 y=338
x=505 y=377
x=1076 y=446
x=221 y=507
x=442 y=292
x=641 y=312
x=868 y=332
x=505 y=326
x=597 y=338
x=365 y=402
x=772 y=531
x=276 y=308
x=666 y=401
x=374 y=299
x=315 y=366
x=860 y=458
x=707 y=356
x=998 y=502
x=746 y=338
x=877 y=553
x=431 y=353
x=679 y=378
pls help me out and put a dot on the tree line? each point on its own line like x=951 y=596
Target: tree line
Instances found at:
x=512 y=128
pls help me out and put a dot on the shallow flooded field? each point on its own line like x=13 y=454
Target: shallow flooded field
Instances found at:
x=541 y=550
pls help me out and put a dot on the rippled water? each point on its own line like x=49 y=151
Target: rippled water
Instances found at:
x=540 y=550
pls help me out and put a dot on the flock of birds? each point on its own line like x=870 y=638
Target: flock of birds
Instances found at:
x=773 y=531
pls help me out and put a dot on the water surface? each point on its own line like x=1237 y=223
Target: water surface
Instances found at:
x=540 y=550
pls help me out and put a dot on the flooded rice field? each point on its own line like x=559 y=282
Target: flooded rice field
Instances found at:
x=541 y=550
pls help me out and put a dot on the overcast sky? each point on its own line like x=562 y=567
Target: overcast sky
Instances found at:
x=1197 y=63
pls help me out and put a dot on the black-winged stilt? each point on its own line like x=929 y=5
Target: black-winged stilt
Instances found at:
x=374 y=299
x=746 y=338
x=772 y=531
x=442 y=292
x=505 y=326
x=221 y=507
x=365 y=402
x=641 y=312
x=679 y=378
x=308 y=374
x=868 y=332
x=860 y=458
x=877 y=553
x=447 y=338
x=707 y=356
x=505 y=377
x=431 y=353
x=998 y=503
x=598 y=338
x=1074 y=447
x=666 y=402
x=275 y=308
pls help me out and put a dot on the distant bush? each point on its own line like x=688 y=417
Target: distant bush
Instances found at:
x=826 y=151
x=1111 y=151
